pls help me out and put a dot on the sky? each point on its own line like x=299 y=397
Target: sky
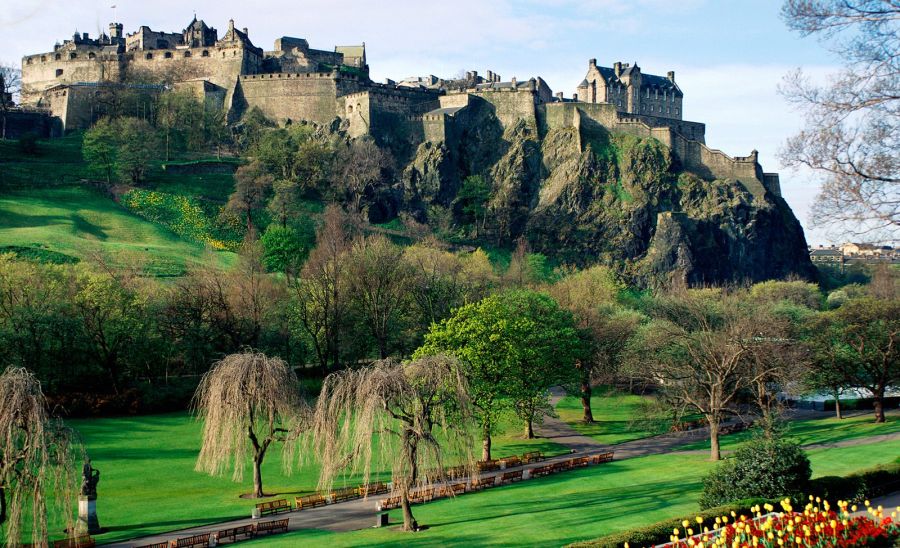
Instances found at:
x=729 y=56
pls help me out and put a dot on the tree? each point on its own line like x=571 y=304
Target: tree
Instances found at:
x=251 y=185
x=829 y=365
x=852 y=122
x=437 y=285
x=286 y=247
x=379 y=278
x=138 y=144
x=700 y=350
x=418 y=413
x=10 y=85
x=322 y=289
x=247 y=402
x=865 y=334
x=359 y=170
x=590 y=295
x=472 y=200
x=100 y=149
x=513 y=346
x=37 y=461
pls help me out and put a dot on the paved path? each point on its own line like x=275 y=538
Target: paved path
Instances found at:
x=360 y=514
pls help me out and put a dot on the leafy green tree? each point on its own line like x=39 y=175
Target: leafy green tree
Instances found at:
x=513 y=346
x=138 y=145
x=286 y=247
x=251 y=186
x=100 y=148
x=472 y=202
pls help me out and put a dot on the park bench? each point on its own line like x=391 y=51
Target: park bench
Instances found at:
x=310 y=501
x=343 y=494
x=510 y=462
x=482 y=483
x=372 y=489
x=581 y=461
x=389 y=503
x=190 y=542
x=273 y=507
x=273 y=526
x=422 y=495
x=163 y=544
x=541 y=470
x=509 y=477
x=602 y=457
x=233 y=533
x=532 y=456
x=487 y=465
x=81 y=541
x=456 y=472
x=458 y=488
x=450 y=490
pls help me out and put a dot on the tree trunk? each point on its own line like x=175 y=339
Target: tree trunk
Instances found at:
x=837 y=406
x=409 y=522
x=486 y=442
x=529 y=429
x=257 y=475
x=714 y=452
x=2 y=505
x=586 y=401
x=878 y=403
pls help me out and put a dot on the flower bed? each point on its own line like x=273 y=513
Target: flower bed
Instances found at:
x=818 y=525
x=183 y=215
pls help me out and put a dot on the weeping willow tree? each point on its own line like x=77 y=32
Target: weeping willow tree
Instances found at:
x=38 y=471
x=414 y=416
x=247 y=402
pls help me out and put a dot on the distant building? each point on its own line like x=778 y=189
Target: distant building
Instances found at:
x=826 y=255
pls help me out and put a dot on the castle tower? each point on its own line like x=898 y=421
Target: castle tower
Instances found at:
x=115 y=31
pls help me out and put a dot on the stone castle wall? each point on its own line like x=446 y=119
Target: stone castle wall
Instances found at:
x=44 y=71
x=313 y=96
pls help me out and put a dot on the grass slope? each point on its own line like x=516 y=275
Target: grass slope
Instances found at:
x=149 y=484
x=617 y=416
x=79 y=222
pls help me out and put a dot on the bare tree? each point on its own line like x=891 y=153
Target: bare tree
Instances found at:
x=852 y=133
x=247 y=401
x=380 y=280
x=418 y=414
x=360 y=168
x=10 y=86
x=37 y=461
x=322 y=289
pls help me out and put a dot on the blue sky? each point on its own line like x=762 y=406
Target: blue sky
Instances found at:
x=728 y=55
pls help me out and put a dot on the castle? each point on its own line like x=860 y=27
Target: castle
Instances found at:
x=294 y=82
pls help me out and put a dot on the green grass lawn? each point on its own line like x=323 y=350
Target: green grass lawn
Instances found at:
x=78 y=222
x=617 y=415
x=148 y=482
x=571 y=506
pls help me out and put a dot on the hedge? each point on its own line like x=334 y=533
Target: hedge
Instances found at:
x=856 y=487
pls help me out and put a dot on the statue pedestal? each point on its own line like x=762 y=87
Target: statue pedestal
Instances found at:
x=87 y=515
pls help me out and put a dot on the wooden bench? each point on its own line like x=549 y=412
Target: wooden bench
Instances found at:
x=422 y=495
x=482 y=483
x=581 y=461
x=372 y=489
x=457 y=472
x=532 y=456
x=189 y=542
x=233 y=533
x=509 y=477
x=81 y=541
x=510 y=462
x=310 y=501
x=538 y=471
x=487 y=465
x=601 y=458
x=343 y=494
x=389 y=503
x=273 y=507
x=164 y=544
x=273 y=526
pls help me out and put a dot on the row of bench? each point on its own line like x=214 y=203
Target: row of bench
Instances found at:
x=233 y=533
x=508 y=462
x=478 y=483
x=319 y=499
x=81 y=541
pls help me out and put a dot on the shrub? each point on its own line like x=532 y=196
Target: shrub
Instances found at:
x=28 y=143
x=284 y=247
x=857 y=487
x=766 y=467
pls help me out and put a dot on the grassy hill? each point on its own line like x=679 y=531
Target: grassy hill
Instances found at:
x=46 y=213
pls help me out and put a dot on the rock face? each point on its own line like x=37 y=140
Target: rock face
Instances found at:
x=583 y=195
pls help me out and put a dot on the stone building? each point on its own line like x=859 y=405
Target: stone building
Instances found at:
x=632 y=91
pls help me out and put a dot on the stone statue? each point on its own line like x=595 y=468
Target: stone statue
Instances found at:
x=90 y=477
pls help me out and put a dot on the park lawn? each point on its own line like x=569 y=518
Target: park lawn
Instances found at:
x=148 y=483
x=572 y=506
x=78 y=222
x=617 y=415
x=818 y=431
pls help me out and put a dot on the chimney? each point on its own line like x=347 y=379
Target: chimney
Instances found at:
x=514 y=83
x=496 y=77
x=244 y=30
x=617 y=68
x=671 y=76
x=490 y=76
x=84 y=36
x=574 y=96
x=559 y=95
x=592 y=63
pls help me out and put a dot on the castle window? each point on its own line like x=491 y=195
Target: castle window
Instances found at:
x=73 y=55
x=187 y=54
x=59 y=72
x=57 y=57
x=205 y=53
x=350 y=109
x=148 y=56
x=43 y=58
x=168 y=55
x=28 y=62
x=91 y=55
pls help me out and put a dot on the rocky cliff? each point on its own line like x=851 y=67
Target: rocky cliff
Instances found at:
x=585 y=195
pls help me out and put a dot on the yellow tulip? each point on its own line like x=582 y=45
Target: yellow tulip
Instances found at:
x=700 y=520
x=685 y=523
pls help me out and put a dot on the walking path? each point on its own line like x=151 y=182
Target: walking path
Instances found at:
x=361 y=513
